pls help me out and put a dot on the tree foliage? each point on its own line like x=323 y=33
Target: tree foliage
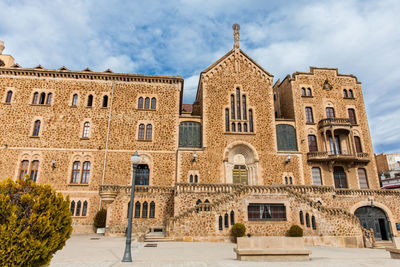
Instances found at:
x=238 y=230
x=35 y=222
x=100 y=219
x=295 y=231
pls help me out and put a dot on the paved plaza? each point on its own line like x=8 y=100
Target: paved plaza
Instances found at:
x=96 y=250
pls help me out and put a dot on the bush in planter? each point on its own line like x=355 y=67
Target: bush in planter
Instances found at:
x=35 y=222
x=238 y=230
x=295 y=231
x=100 y=219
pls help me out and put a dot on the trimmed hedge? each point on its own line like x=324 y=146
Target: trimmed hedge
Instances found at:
x=100 y=219
x=35 y=222
x=238 y=230
x=295 y=231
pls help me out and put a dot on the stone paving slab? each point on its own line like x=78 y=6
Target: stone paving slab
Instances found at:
x=94 y=250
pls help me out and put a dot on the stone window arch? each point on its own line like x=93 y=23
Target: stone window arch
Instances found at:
x=351 y=95
x=313 y=223
x=9 y=97
x=244 y=107
x=147 y=103
x=226 y=220
x=220 y=227
x=78 y=208
x=140 y=103
x=226 y=120
x=345 y=95
x=144 y=209
x=86 y=130
x=75 y=100
x=49 y=98
x=309 y=91
x=141 y=131
x=42 y=98
x=105 y=101
x=303 y=91
x=137 y=209
x=35 y=98
x=72 y=207
x=153 y=103
x=301 y=217
x=149 y=131
x=232 y=217
x=84 y=208
x=152 y=210
x=90 y=101
x=36 y=128
x=307 y=220
x=238 y=109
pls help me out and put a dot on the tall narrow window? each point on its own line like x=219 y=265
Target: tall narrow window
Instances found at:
x=90 y=101
x=351 y=95
x=313 y=224
x=84 y=208
x=140 y=103
x=76 y=170
x=24 y=169
x=227 y=120
x=339 y=177
x=357 y=142
x=226 y=220
x=251 y=120
x=9 y=96
x=137 y=209
x=238 y=104
x=330 y=112
x=239 y=127
x=312 y=143
x=78 y=208
x=352 y=116
x=233 y=126
x=152 y=210
x=142 y=174
x=153 y=103
x=286 y=180
x=147 y=103
x=345 y=93
x=191 y=178
x=301 y=218
x=72 y=208
x=290 y=180
x=232 y=107
x=245 y=127
x=74 y=100
x=34 y=170
x=86 y=130
x=149 y=130
x=35 y=98
x=316 y=175
x=362 y=178
x=49 y=98
x=309 y=92
x=232 y=217
x=36 y=128
x=307 y=220
x=244 y=107
x=105 y=101
x=196 y=179
x=303 y=91
x=141 y=132
x=144 y=210
x=220 y=223
x=42 y=98
x=85 y=172
x=309 y=115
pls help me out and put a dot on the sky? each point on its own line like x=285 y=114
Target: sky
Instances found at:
x=182 y=38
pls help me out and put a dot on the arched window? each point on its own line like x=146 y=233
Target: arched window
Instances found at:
x=49 y=98
x=233 y=127
x=137 y=209
x=312 y=143
x=352 y=116
x=191 y=178
x=149 y=132
x=84 y=208
x=239 y=127
x=141 y=132
x=36 y=128
x=144 y=210
x=86 y=129
x=303 y=91
x=227 y=120
x=357 y=142
x=301 y=218
x=74 y=100
x=286 y=180
x=314 y=225
x=72 y=208
x=351 y=95
x=198 y=202
x=152 y=210
x=35 y=98
x=309 y=115
x=34 y=170
x=105 y=101
x=232 y=217
x=251 y=120
x=142 y=174
x=244 y=107
x=153 y=103
x=307 y=220
x=78 y=208
x=232 y=107
x=190 y=134
x=9 y=96
x=140 y=103
x=90 y=101
x=316 y=175
x=290 y=180
x=245 y=127
x=309 y=92
x=330 y=112
x=42 y=98
x=23 y=169
x=226 y=220
x=220 y=223
x=238 y=104
x=362 y=178
x=196 y=179
x=76 y=170
x=345 y=93
x=85 y=172
x=339 y=177
x=207 y=208
x=286 y=137
x=147 y=103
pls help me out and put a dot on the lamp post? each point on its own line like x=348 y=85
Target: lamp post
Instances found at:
x=135 y=159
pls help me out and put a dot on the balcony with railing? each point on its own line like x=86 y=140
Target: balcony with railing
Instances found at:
x=342 y=156
x=343 y=123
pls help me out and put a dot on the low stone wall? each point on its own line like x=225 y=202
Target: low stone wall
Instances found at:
x=335 y=241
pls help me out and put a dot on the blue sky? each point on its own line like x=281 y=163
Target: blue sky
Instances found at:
x=184 y=37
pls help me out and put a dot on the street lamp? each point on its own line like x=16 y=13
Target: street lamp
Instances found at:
x=135 y=159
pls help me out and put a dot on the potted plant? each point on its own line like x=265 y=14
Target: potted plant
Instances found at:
x=100 y=221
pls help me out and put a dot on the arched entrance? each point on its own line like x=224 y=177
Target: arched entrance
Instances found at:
x=375 y=218
x=241 y=164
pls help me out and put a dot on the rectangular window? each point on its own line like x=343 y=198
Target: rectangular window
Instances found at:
x=362 y=177
x=330 y=113
x=316 y=175
x=34 y=170
x=312 y=143
x=266 y=212
x=309 y=115
x=24 y=169
x=352 y=116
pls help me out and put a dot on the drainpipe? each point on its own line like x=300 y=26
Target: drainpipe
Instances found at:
x=107 y=137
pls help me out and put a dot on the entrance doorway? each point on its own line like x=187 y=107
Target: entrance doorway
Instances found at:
x=239 y=174
x=375 y=218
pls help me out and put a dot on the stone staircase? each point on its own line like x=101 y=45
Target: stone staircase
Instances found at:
x=156 y=234
x=383 y=244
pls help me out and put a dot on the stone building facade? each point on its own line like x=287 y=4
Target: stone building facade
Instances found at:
x=247 y=150
x=388 y=166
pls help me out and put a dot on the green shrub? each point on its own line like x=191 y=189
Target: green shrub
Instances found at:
x=238 y=230
x=100 y=219
x=35 y=222
x=295 y=231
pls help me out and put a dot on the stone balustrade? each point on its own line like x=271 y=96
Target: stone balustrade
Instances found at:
x=328 y=122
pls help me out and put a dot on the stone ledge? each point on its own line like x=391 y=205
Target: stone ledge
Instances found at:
x=394 y=253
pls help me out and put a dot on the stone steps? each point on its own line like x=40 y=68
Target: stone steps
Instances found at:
x=156 y=234
x=383 y=244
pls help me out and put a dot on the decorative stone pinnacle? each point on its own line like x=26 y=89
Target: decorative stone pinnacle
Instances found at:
x=1 y=47
x=236 y=29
